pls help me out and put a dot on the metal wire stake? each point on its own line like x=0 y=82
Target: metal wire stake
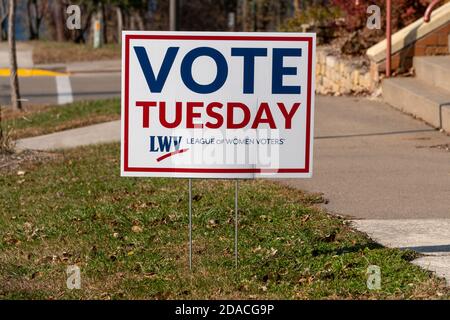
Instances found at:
x=236 y=223
x=190 y=224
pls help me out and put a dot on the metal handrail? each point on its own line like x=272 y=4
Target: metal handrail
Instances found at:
x=388 y=38
x=429 y=10
x=426 y=19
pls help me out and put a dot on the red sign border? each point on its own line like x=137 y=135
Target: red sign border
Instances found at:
x=129 y=37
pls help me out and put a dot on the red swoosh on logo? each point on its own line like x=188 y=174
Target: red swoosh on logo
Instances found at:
x=164 y=156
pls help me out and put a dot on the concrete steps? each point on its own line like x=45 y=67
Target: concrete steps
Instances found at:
x=427 y=96
x=434 y=70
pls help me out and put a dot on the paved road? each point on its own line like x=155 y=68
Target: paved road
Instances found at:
x=54 y=90
x=86 y=80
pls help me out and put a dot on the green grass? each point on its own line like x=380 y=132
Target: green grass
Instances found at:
x=42 y=120
x=77 y=210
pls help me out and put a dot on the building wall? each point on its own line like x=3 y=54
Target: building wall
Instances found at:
x=434 y=43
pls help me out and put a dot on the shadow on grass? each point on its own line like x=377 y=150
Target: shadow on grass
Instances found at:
x=347 y=249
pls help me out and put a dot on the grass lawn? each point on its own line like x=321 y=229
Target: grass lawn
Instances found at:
x=129 y=237
x=38 y=120
x=60 y=52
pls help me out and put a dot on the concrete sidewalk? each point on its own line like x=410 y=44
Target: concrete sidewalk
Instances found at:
x=98 y=66
x=387 y=172
x=98 y=133
x=384 y=170
x=374 y=162
x=94 y=66
x=24 y=54
x=430 y=237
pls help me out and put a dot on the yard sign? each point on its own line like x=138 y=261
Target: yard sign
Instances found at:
x=217 y=105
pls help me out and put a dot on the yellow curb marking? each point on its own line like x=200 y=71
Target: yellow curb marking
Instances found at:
x=32 y=73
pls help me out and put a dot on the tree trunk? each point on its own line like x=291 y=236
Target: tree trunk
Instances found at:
x=139 y=20
x=254 y=15
x=244 y=15
x=80 y=35
x=14 y=80
x=59 y=22
x=3 y=18
x=31 y=18
x=173 y=15
x=119 y=24
x=296 y=7
x=104 y=24
x=39 y=11
x=132 y=22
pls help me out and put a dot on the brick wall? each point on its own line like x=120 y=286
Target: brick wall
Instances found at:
x=434 y=43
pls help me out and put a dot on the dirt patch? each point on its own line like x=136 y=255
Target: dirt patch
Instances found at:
x=10 y=163
x=444 y=147
x=61 y=52
x=10 y=114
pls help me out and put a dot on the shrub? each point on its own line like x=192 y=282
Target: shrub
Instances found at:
x=322 y=20
x=404 y=12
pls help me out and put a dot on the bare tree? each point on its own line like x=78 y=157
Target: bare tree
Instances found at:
x=119 y=15
x=244 y=7
x=79 y=35
x=296 y=6
x=3 y=18
x=58 y=19
x=35 y=11
x=14 y=80
x=104 y=23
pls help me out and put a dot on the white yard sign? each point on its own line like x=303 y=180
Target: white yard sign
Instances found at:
x=217 y=105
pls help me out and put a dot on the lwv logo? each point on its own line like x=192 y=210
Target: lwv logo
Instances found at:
x=165 y=144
